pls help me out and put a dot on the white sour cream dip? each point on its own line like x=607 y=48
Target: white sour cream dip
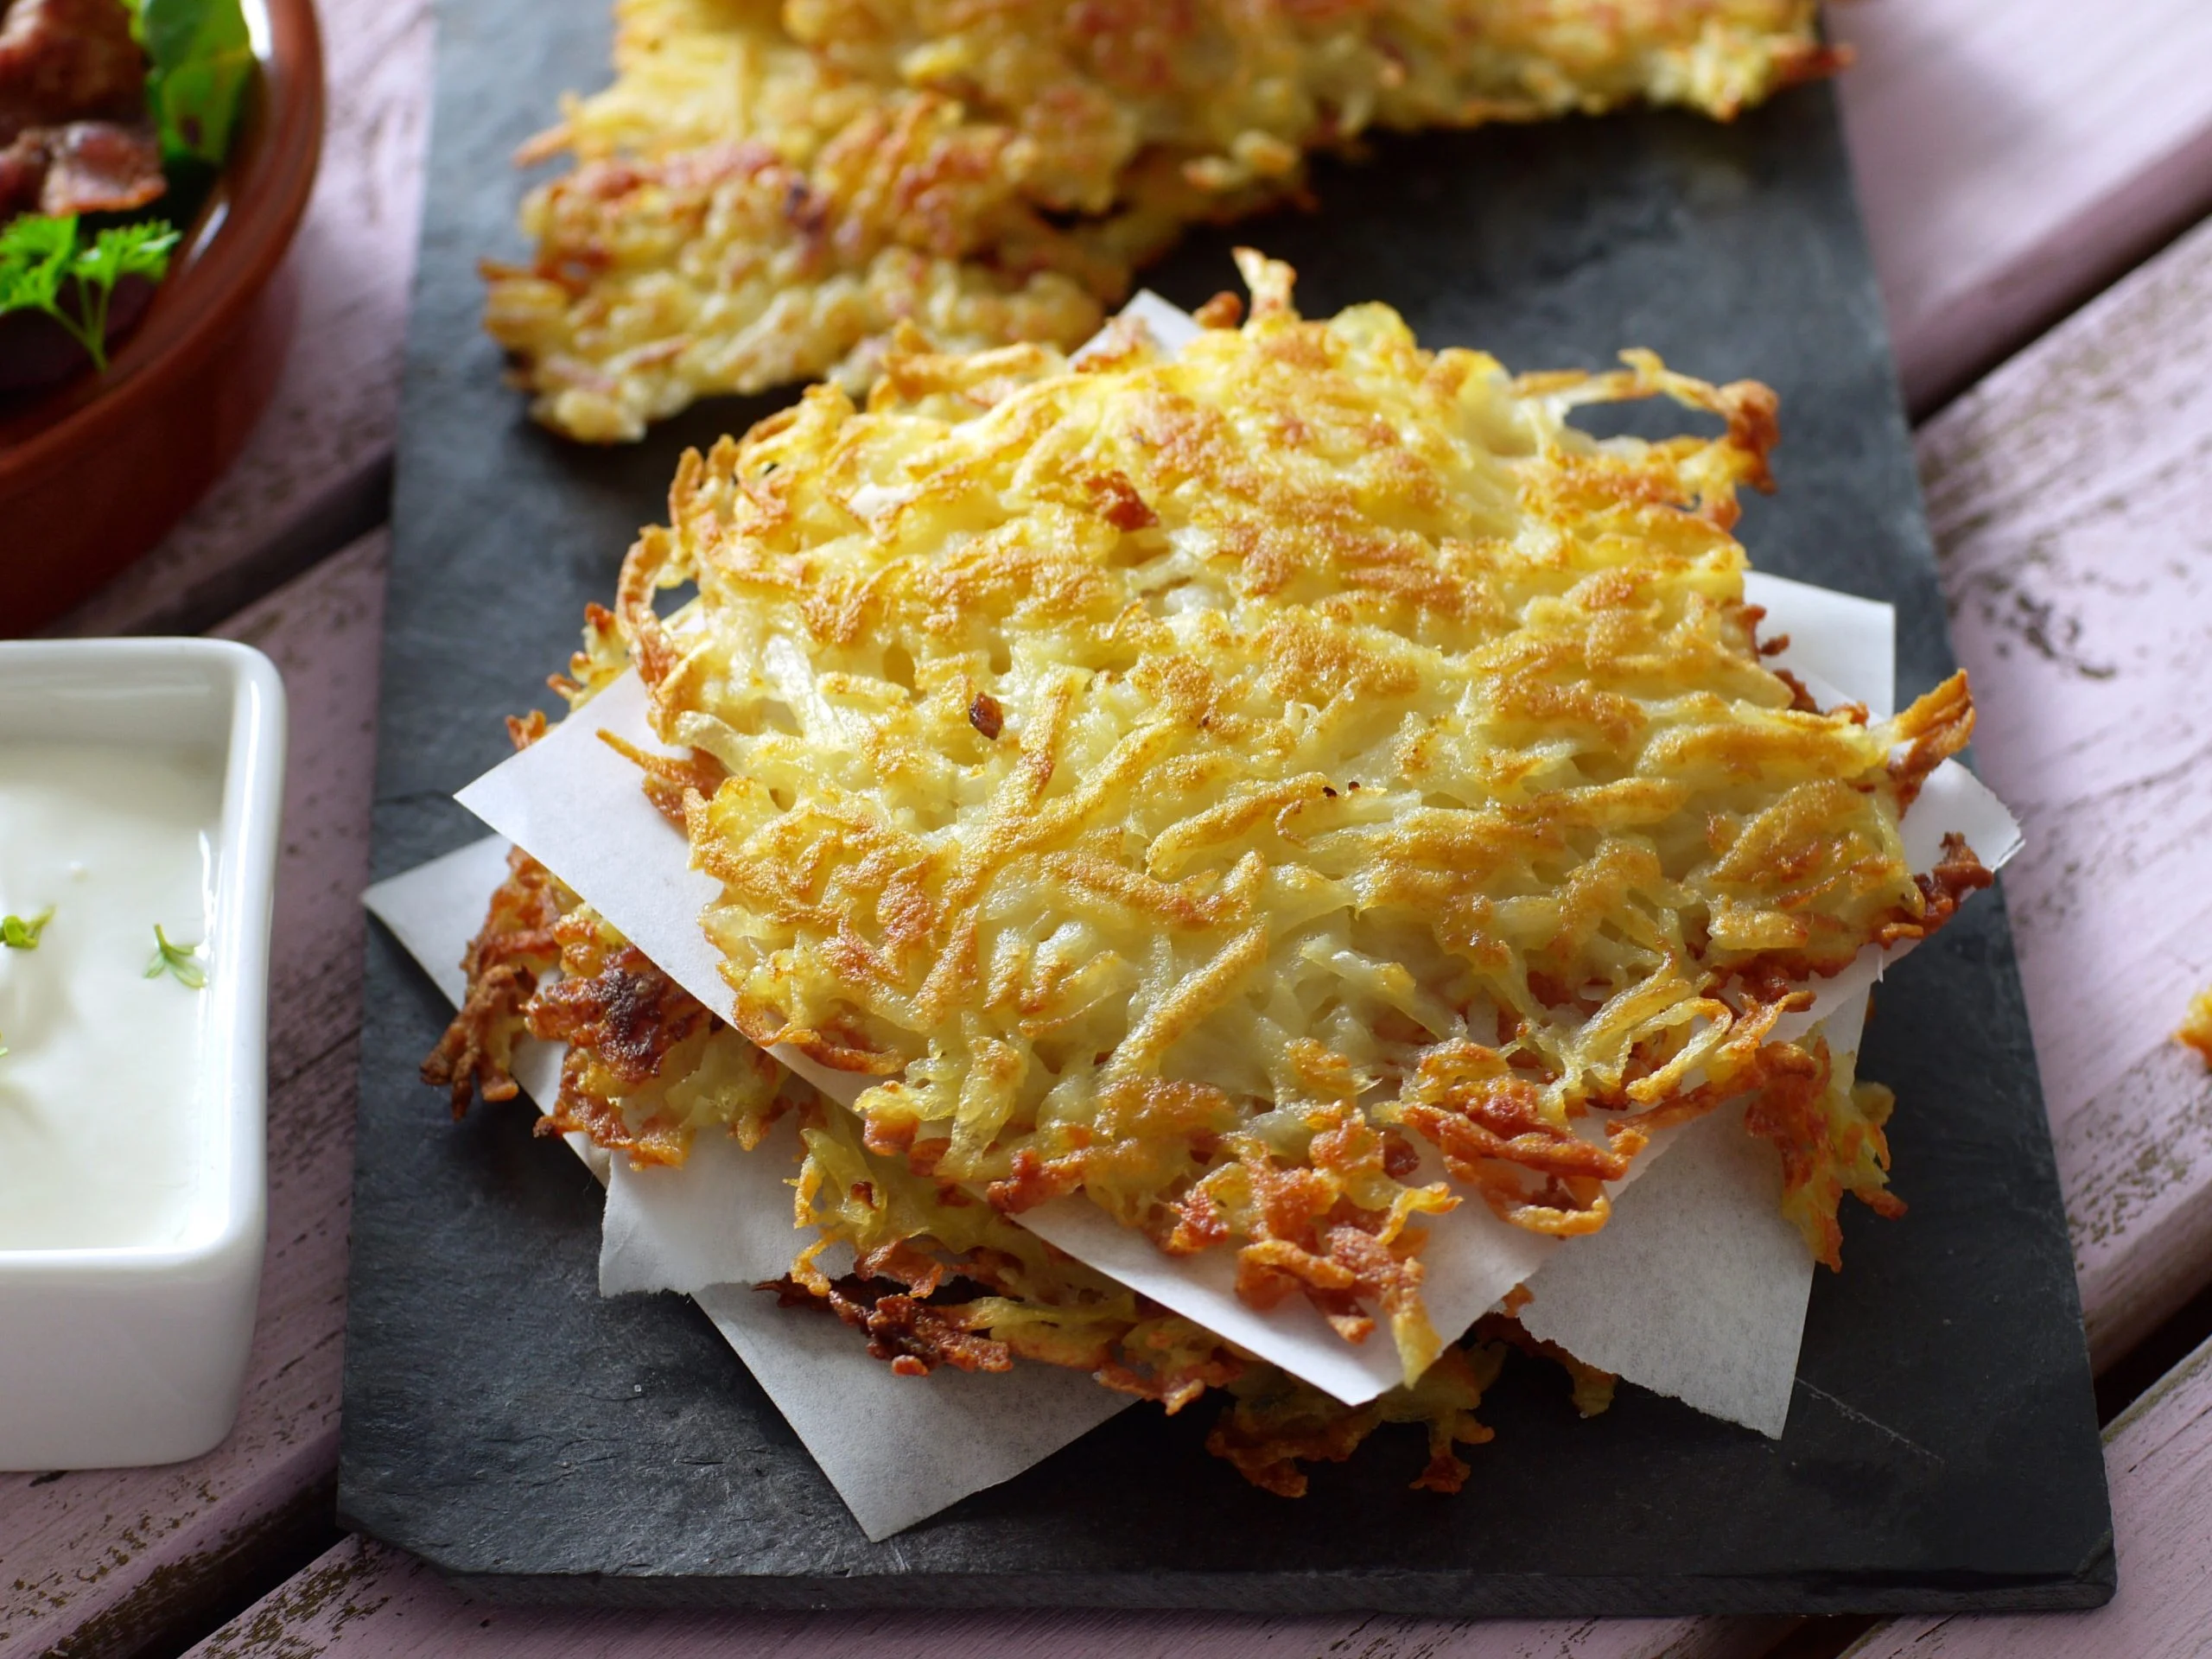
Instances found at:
x=105 y=1134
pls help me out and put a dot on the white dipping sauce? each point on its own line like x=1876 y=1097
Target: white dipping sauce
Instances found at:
x=106 y=1131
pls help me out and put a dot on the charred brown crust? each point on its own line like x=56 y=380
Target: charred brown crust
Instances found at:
x=905 y=1333
x=1935 y=727
x=1957 y=873
x=514 y=947
x=669 y=779
x=627 y=1016
x=1269 y=1456
x=1268 y=1430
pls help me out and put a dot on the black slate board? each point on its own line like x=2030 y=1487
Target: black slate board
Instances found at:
x=534 y=1442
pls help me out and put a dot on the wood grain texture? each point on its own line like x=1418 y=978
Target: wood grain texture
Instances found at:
x=2158 y=1456
x=103 y=1560
x=316 y=472
x=2071 y=497
x=363 y=1601
x=2012 y=158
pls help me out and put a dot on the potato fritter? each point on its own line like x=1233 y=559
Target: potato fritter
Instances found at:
x=937 y=1278
x=767 y=189
x=1199 y=785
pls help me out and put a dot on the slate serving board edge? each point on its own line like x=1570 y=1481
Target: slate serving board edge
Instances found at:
x=535 y=1443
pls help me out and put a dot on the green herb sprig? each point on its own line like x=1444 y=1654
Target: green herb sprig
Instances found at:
x=201 y=61
x=45 y=264
x=21 y=933
x=181 y=960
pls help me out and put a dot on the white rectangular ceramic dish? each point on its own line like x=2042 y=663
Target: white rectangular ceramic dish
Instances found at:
x=141 y=782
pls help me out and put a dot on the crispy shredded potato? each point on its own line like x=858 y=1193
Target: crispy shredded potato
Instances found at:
x=766 y=190
x=1216 y=786
x=1828 y=1130
x=1276 y=1422
x=648 y=1068
x=938 y=1278
x=504 y=963
x=1200 y=784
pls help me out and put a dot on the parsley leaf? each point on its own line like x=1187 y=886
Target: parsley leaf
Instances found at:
x=17 y=934
x=181 y=960
x=44 y=266
x=202 y=57
x=33 y=252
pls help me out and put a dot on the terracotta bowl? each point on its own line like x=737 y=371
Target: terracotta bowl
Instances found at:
x=95 y=472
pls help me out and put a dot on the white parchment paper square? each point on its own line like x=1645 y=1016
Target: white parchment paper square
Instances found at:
x=574 y=803
x=896 y=1448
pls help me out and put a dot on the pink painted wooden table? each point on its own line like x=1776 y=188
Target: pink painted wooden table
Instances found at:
x=2013 y=161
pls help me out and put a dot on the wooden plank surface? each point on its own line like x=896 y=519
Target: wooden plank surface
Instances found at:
x=2014 y=157
x=2071 y=497
x=365 y=1602
x=361 y=1600
x=105 y=1559
x=2158 y=1458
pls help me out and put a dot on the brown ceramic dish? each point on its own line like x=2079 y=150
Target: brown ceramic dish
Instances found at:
x=93 y=473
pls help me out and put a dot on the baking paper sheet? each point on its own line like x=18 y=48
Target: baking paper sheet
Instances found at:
x=434 y=910
x=1714 y=1201
x=1719 y=1329
x=573 y=802
x=896 y=1448
x=1472 y=1259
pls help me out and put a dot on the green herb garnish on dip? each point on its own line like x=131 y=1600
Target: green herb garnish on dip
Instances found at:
x=18 y=934
x=181 y=960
